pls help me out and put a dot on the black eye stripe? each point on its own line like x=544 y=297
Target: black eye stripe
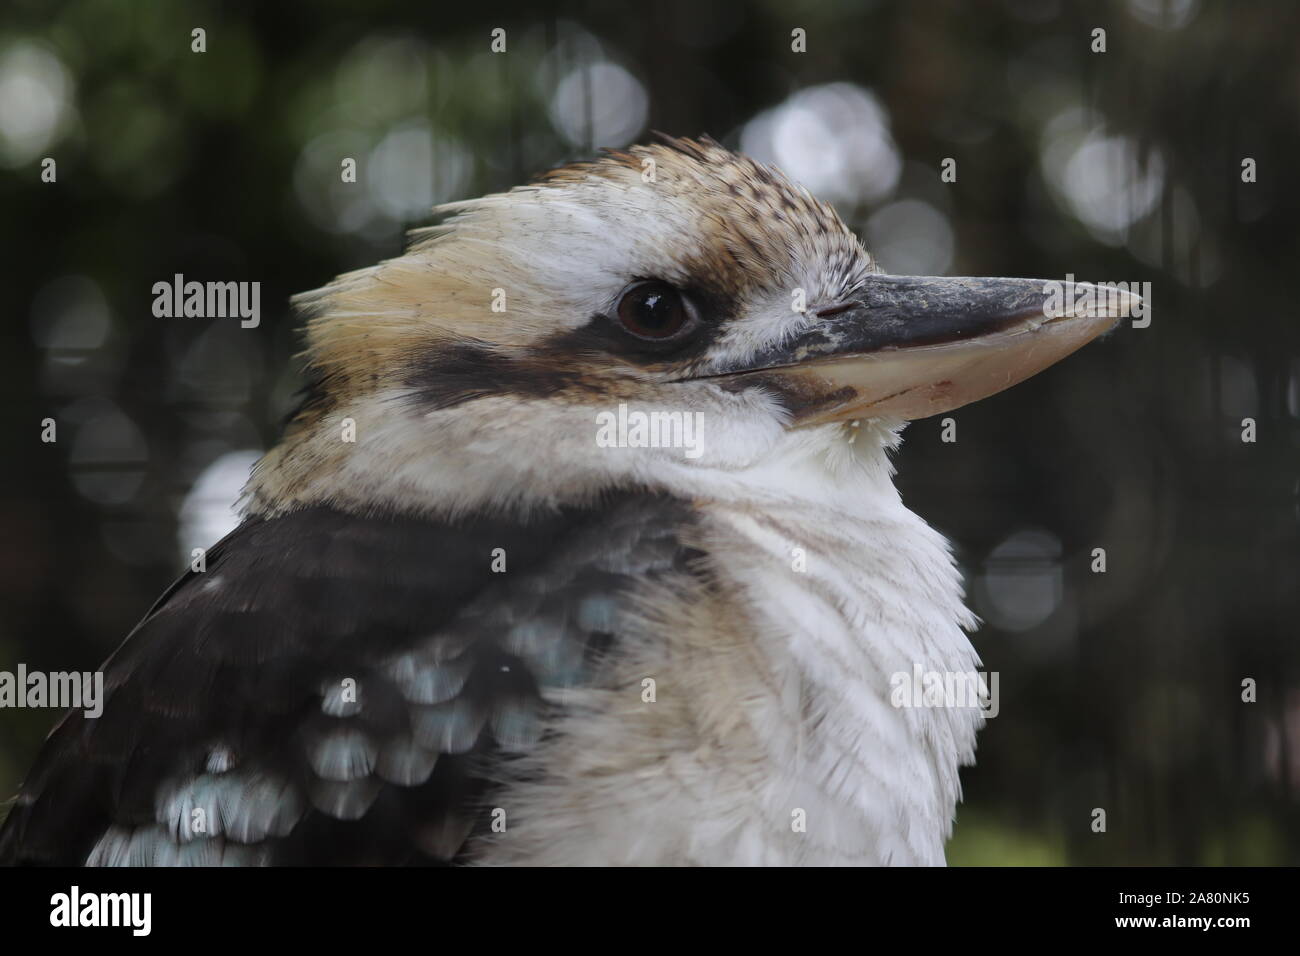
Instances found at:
x=569 y=361
x=603 y=335
x=459 y=373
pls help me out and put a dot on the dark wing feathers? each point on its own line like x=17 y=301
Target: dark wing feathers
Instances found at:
x=335 y=688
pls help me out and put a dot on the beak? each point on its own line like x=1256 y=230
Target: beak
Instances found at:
x=907 y=347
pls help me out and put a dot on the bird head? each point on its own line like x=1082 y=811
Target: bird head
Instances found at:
x=677 y=279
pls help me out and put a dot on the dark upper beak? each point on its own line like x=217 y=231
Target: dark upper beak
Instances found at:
x=907 y=347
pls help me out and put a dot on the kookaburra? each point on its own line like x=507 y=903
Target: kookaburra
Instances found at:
x=460 y=624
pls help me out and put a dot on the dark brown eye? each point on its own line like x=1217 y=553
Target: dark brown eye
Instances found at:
x=654 y=310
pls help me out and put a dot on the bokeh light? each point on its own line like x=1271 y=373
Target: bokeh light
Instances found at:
x=36 y=101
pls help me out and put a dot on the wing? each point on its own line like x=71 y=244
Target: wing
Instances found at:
x=335 y=689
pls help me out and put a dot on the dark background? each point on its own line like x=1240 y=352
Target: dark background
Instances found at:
x=1119 y=690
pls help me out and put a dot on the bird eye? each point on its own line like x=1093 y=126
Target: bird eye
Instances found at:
x=654 y=310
